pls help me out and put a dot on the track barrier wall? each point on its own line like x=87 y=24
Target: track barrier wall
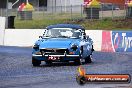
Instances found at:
x=96 y=36
x=2 y=29
x=104 y=40
x=22 y=37
x=116 y=41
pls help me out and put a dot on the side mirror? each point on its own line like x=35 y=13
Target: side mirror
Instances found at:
x=84 y=36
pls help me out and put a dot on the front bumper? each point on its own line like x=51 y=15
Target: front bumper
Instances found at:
x=34 y=55
x=61 y=57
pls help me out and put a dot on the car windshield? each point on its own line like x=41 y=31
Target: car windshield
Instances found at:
x=62 y=33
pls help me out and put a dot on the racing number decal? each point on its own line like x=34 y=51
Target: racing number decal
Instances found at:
x=53 y=58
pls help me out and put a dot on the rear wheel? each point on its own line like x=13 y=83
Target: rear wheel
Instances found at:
x=88 y=59
x=36 y=62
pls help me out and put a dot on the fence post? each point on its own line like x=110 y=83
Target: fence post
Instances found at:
x=71 y=11
x=112 y=11
x=0 y=11
x=91 y=13
x=43 y=11
x=55 y=6
x=81 y=10
x=125 y=11
x=101 y=11
x=52 y=12
x=61 y=9
x=7 y=8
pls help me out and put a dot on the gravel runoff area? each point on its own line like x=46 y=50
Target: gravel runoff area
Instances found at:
x=16 y=70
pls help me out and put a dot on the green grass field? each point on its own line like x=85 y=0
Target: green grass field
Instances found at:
x=88 y=24
x=41 y=20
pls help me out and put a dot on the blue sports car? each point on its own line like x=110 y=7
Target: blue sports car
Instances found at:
x=63 y=43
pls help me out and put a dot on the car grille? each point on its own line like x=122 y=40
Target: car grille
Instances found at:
x=54 y=51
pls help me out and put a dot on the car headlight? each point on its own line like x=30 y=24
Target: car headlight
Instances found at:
x=74 y=47
x=38 y=53
x=36 y=47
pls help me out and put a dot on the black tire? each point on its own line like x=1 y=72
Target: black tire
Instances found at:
x=78 y=61
x=92 y=50
x=88 y=59
x=48 y=62
x=36 y=62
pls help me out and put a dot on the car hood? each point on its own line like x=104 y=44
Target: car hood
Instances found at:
x=56 y=43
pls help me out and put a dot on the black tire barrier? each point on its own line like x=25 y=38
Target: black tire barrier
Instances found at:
x=129 y=12
x=25 y=15
x=92 y=13
x=11 y=22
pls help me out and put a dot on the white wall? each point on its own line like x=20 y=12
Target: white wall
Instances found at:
x=27 y=37
x=96 y=36
x=2 y=23
x=2 y=29
x=21 y=37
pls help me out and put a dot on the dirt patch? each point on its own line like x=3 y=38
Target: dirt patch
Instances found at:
x=104 y=24
x=123 y=23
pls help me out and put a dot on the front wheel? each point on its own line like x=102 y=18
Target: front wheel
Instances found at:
x=36 y=62
x=78 y=61
x=88 y=59
x=92 y=50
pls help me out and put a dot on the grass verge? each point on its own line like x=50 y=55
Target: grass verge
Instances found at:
x=104 y=24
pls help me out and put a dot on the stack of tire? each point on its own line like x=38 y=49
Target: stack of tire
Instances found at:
x=129 y=9
x=92 y=8
x=25 y=11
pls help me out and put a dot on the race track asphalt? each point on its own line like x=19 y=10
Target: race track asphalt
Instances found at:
x=16 y=70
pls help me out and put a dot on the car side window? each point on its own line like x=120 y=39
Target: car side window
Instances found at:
x=76 y=34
